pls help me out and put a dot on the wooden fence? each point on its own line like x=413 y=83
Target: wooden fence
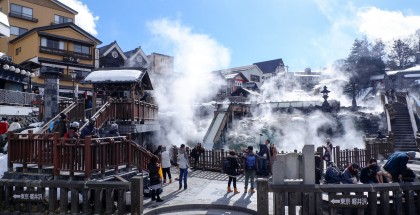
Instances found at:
x=71 y=197
x=360 y=199
x=84 y=156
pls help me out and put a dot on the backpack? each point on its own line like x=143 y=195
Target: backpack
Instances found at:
x=250 y=162
x=53 y=125
x=226 y=165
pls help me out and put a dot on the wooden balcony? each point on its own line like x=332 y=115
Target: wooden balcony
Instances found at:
x=72 y=56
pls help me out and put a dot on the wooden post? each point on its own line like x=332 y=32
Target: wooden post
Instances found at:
x=129 y=156
x=372 y=203
x=88 y=157
x=262 y=196
x=222 y=157
x=56 y=156
x=137 y=195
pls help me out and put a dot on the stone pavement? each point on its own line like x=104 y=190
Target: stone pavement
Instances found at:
x=206 y=194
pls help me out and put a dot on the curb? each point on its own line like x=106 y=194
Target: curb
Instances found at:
x=191 y=207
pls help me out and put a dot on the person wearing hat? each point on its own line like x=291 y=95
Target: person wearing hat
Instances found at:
x=73 y=131
x=396 y=164
x=89 y=130
x=332 y=174
x=350 y=174
x=113 y=132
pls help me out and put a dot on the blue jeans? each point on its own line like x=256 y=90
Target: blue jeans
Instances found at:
x=263 y=166
x=249 y=174
x=183 y=174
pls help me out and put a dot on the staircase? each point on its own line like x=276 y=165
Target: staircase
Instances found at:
x=402 y=129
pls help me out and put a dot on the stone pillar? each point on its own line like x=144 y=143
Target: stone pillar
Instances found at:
x=51 y=89
x=308 y=163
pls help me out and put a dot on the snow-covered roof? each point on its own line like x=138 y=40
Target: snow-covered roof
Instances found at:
x=118 y=75
x=411 y=69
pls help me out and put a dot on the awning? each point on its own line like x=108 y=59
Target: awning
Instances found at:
x=31 y=63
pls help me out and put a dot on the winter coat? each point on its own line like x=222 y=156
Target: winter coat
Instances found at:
x=153 y=173
x=263 y=153
x=234 y=166
x=72 y=133
x=14 y=126
x=112 y=133
x=182 y=159
x=61 y=127
x=166 y=161
x=397 y=163
x=368 y=174
x=89 y=130
x=349 y=176
x=4 y=125
x=333 y=175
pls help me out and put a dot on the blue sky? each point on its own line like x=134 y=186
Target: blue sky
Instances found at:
x=304 y=33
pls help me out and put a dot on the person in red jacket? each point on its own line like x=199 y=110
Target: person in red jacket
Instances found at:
x=4 y=125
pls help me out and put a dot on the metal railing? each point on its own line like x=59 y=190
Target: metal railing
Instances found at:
x=16 y=97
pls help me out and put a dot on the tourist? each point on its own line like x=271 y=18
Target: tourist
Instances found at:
x=231 y=168
x=196 y=153
x=272 y=156
x=4 y=125
x=73 y=132
x=332 y=174
x=380 y=135
x=250 y=168
x=350 y=174
x=391 y=112
x=369 y=173
x=166 y=165
x=14 y=125
x=89 y=130
x=113 y=132
x=155 y=180
x=183 y=166
x=60 y=125
x=263 y=156
x=328 y=151
x=397 y=164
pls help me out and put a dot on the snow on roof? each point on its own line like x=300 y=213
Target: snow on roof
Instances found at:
x=229 y=76
x=414 y=68
x=412 y=76
x=120 y=75
x=252 y=92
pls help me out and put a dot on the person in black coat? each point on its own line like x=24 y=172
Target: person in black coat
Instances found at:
x=89 y=130
x=232 y=170
x=155 y=180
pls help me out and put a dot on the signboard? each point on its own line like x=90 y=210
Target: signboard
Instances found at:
x=349 y=201
x=28 y=196
x=71 y=59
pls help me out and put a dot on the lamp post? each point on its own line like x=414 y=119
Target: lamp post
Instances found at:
x=73 y=77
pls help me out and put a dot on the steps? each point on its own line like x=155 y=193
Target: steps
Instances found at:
x=402 y=129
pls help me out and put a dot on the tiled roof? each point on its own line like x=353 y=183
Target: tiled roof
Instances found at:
x=269 y=66
x=103 y=49
x=131 y=53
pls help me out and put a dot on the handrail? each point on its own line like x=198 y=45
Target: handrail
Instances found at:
x=410 y=112
x=388 y=120
x=97 y=114
x=44 y=127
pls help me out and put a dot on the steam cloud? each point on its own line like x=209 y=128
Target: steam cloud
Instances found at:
x=179 y=94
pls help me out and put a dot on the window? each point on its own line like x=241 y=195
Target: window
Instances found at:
x=255 y=78
x=17 y=31
x=61 y=19
x=24 y=12
x=81 y=49
x=51 y=43
x=18 y=50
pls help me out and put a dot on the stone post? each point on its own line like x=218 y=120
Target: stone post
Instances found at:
x=137 y=195
x=262 y=196
x=308 y=164
x=51 y=89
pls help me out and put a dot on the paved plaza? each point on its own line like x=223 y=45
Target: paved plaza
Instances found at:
x=206 y=194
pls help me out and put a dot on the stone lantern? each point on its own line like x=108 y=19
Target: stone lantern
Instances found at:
x=325 y=105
